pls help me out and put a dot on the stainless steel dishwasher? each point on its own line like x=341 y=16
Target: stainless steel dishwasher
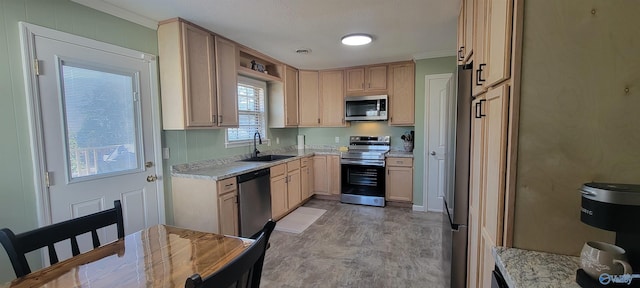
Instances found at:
x=254 y=201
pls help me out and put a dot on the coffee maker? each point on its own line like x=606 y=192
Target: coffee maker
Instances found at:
x=615 y=207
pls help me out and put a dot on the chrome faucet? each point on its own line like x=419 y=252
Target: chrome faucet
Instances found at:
x=255 y=147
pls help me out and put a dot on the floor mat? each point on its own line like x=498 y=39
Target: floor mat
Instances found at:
x=299 y=220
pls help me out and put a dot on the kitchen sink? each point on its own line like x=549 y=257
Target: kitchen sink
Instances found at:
x=267 y=158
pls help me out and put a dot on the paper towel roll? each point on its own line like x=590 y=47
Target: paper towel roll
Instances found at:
x=300 y=141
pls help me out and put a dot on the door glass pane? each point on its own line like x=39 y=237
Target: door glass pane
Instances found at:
x=101 y=120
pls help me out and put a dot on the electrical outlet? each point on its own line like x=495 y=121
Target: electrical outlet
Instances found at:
x=165 y=153
x=337 y=139
x=277 y=140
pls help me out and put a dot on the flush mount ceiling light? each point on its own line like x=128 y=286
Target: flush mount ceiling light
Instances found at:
x=356 y=39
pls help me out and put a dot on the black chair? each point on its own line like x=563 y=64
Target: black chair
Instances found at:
x=18 y=245
x=244 y=271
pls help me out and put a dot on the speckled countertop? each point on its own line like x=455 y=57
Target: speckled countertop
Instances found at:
x=524 y=268
x=217 y=169
x=230 y=167
x=400 y=154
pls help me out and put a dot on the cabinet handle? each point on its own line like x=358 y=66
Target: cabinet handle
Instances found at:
x=482 y=115
x=460 y=54
x=220 y=121
x=228 y=185
x=478 y=72
x=369 y=84
x=215 y=119
x=481 y=69
x=477 y=116
x=318 y=120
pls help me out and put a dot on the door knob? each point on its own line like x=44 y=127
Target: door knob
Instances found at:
x=152 y=178
x=433 y=153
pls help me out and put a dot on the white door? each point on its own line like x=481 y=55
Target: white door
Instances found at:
x=438 y=102
x=97 y=133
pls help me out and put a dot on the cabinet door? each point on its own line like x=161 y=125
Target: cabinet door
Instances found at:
x=304 y=182
x=499 y=21
x=496 y=113
x=332 y=97
x=333 y=163
x=399 y=184
x=468 y=28
x=461 y=30
x=199 y=76
x=291 y=97
x=401 y=94
x=278 y=196
x=228 y=217
x=308 y=96
x=376 y=78
x=320 y=175
x=475 y=188
x=479 y=41
x=293 y=189
x=227 y=76
x=355 y=80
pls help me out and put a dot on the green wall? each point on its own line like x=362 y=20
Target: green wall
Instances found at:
x=425 y=67
x=17 y=196
x=198 y=145
x=326 y=136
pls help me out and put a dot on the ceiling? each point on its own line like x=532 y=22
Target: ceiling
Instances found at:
x=402 y=29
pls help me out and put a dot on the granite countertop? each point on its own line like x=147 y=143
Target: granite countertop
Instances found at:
x=400 y=154
x=230 y=167
x=524 y=268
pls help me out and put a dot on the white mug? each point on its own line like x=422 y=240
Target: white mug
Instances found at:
x=597 y=258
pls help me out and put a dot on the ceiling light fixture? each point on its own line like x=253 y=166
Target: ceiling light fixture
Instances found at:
x=356 y=39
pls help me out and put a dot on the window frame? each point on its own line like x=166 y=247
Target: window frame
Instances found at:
x=265 y=137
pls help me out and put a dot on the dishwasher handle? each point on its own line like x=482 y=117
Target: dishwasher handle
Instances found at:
x=253 y=175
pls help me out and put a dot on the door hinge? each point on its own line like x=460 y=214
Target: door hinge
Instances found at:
x=46 y=179
x=36 y=66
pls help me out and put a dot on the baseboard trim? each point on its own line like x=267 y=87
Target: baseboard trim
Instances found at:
x=418 y=208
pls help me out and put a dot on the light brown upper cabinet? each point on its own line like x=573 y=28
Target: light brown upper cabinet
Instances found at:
x=283 y=100
x=479 y=41
x=466 y=23
x=309 y=102
x=496 y=65
x=401 y=94
x=331 y=84
x=198 y=77
x=468 y=29
x=366 y=79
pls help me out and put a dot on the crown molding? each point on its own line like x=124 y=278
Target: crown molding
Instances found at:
x=111 y=9
x=434 y=54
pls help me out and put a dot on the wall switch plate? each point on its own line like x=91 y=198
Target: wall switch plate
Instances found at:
x=337 y=139
x=165 y=153
x=277 y=140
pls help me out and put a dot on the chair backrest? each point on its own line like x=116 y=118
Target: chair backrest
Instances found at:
x=19 y=245
x=244 y=271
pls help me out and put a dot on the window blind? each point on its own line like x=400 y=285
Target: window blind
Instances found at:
x=251 y=114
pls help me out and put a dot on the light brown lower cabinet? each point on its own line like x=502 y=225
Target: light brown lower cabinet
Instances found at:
x=206 y=205
x=286 y=190
x=306 y=177
x=326 y=174
x=399 y=179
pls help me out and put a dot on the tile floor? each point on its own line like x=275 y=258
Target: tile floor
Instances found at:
x=359 y=246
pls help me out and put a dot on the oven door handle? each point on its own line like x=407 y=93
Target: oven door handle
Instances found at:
x=363 y=162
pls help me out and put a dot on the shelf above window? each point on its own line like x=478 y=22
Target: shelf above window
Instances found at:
x=274 y=69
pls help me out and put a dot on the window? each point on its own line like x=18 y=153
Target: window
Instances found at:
x=251 y=113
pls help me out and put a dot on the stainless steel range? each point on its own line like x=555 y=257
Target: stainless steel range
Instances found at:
x=363 y=178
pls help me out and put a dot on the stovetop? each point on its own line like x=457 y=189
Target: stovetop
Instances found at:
x=367 y=147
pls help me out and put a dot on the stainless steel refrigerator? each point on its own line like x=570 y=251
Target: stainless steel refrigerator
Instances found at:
x=456 y=200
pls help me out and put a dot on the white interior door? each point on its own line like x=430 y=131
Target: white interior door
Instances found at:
x=97 y=131
x=438 y=102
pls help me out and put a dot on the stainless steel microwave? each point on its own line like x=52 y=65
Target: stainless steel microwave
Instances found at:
x=365 y=108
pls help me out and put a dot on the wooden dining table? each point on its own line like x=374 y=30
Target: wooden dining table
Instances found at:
x=159 y=256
